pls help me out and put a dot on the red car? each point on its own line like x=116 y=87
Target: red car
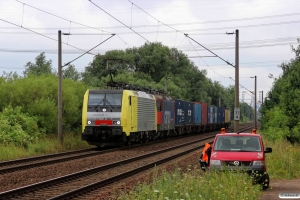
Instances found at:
x=241 y=150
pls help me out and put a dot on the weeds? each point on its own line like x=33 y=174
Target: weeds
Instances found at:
x=194 y=184
x=47 y=144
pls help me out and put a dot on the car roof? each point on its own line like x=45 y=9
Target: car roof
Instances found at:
x=238 y=134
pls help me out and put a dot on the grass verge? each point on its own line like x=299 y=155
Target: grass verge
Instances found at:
x=283 y=162
x=46 y=145
x=194 y=184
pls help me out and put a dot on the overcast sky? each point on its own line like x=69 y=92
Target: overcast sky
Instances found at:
x=267 y=30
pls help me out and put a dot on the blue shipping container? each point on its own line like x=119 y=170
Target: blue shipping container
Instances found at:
x=197 y=113
x=179 y=112
x=222 y=115
x=189 y=112
x=210 y=113
x=168 y=112
x=219 y=115
x=215 y=114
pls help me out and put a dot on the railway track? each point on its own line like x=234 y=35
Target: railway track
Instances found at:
x=75 y=184
x=38 y=161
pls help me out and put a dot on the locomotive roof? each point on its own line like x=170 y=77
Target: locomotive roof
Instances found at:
x=106 y=91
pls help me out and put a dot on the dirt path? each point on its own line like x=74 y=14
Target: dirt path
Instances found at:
x=282 y=186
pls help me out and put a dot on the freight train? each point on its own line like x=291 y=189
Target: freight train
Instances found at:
x=120 y=117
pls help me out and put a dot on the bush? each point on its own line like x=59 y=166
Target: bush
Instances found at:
x=37 y=95
x=16 y=127
x=275 y=127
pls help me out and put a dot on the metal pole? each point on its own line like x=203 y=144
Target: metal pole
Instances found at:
x=262 y=97
x=236 y=122
x=255 y=102
x=59 y=129
x=219 y=102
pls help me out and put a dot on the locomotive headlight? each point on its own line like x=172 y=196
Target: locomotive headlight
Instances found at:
x=89 y=122
x=118 y=122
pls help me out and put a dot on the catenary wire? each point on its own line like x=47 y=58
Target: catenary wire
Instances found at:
x=209 y=50
x=182 y=33
x=88 y=50
x=59 y=16
x=43 y=35
x=204 y=61
x=70 y=20
x=118 y=20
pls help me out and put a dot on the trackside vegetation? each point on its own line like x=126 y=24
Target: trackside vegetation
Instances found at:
x=283 y=162
x=45 y=144
x=193 y=185
x=281 y=110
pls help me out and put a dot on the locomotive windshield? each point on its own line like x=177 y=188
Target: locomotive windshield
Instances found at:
x=105 y=99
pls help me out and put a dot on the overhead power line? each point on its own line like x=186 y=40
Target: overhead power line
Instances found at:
x=69 y=20
x=209 y=50
x=88 y=51
x=205 y=62
x=240 y=85
x=154 y=17
x=42 y=35
x=182 y=33
x=60 y=16
x=117 y=20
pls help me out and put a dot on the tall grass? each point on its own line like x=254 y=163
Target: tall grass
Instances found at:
x=283 y=162
x=46 y=145
x=194 y=184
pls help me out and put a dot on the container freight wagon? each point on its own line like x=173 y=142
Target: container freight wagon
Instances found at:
x=189 y=119
x=210 y=114
x=204 y=118
x=165 y=115
x=227 y=118
x=223 y=116
x=197 y=117
x=179 y=116
x=215 y=116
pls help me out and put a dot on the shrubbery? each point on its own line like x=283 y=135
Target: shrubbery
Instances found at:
x=16 y=127
x=37 y=96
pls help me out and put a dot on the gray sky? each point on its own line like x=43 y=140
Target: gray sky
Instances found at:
x=267 y=29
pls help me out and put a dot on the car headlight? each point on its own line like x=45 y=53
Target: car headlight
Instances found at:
x=89 y=122
x=215 y=162
x=258 y=163
x=118 y=122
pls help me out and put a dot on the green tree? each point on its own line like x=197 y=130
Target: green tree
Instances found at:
x=41 y=66
x=284 y=101
x=71 y=73
x=37 y=95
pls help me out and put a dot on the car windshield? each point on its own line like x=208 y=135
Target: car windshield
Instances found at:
x=237 y=143
x=105 y=99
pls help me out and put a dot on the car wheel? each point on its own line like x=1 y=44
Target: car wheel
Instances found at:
x=266 y=182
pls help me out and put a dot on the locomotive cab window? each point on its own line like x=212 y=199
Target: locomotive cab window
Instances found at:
x=105 y=99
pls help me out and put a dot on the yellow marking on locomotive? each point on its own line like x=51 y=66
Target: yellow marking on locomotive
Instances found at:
x=84 y=109
x=128 y=116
